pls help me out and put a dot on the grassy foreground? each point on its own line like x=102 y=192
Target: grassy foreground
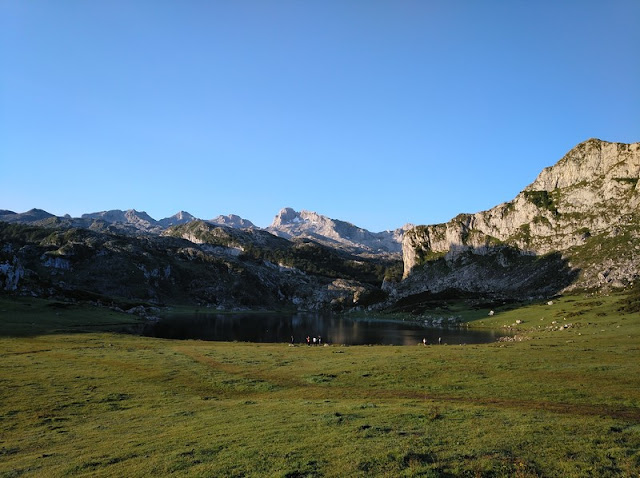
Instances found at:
x=79 y=400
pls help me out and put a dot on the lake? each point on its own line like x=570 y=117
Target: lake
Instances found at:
x=333 y=329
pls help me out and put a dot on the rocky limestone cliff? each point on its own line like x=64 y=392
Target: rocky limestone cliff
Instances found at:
x=289 y=223
x=591 y=195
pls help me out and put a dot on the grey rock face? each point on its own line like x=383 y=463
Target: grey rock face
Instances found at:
x=10 y=275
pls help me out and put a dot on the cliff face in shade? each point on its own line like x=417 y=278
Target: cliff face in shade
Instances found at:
x=583 y=210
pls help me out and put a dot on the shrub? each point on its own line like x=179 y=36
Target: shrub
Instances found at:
x=541 y=200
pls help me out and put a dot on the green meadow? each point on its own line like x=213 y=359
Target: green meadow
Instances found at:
x=79 y=397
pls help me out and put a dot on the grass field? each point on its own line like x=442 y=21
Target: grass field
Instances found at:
x=78 y=399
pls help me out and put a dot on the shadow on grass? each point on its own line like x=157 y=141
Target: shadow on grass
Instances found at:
x=28 y=317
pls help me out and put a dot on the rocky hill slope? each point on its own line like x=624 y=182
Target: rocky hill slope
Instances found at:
x=197 y=262
x=576 y=226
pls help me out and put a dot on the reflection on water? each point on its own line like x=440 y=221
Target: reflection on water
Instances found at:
x=272 y=327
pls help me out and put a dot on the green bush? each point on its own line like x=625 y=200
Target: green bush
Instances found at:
x=541 y=200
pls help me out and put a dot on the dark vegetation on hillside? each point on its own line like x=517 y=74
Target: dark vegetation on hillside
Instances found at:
x=542 y=200
x=302 y=254
x=127 y=270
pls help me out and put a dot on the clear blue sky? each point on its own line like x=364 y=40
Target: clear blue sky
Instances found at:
x=375 y=112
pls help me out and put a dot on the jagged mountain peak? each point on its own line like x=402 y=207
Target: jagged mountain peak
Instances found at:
x=286 y=215
x=183 y=215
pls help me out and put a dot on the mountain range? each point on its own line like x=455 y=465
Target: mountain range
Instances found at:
x=577 y=226
x=287 y=223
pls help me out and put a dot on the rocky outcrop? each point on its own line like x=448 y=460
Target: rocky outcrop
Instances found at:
x=289 y=223
x=588 y=197
x=231 y=220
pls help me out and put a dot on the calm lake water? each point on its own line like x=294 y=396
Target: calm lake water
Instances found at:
x=272 y=327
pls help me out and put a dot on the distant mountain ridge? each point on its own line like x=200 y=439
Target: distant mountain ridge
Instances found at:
x=287 y=224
